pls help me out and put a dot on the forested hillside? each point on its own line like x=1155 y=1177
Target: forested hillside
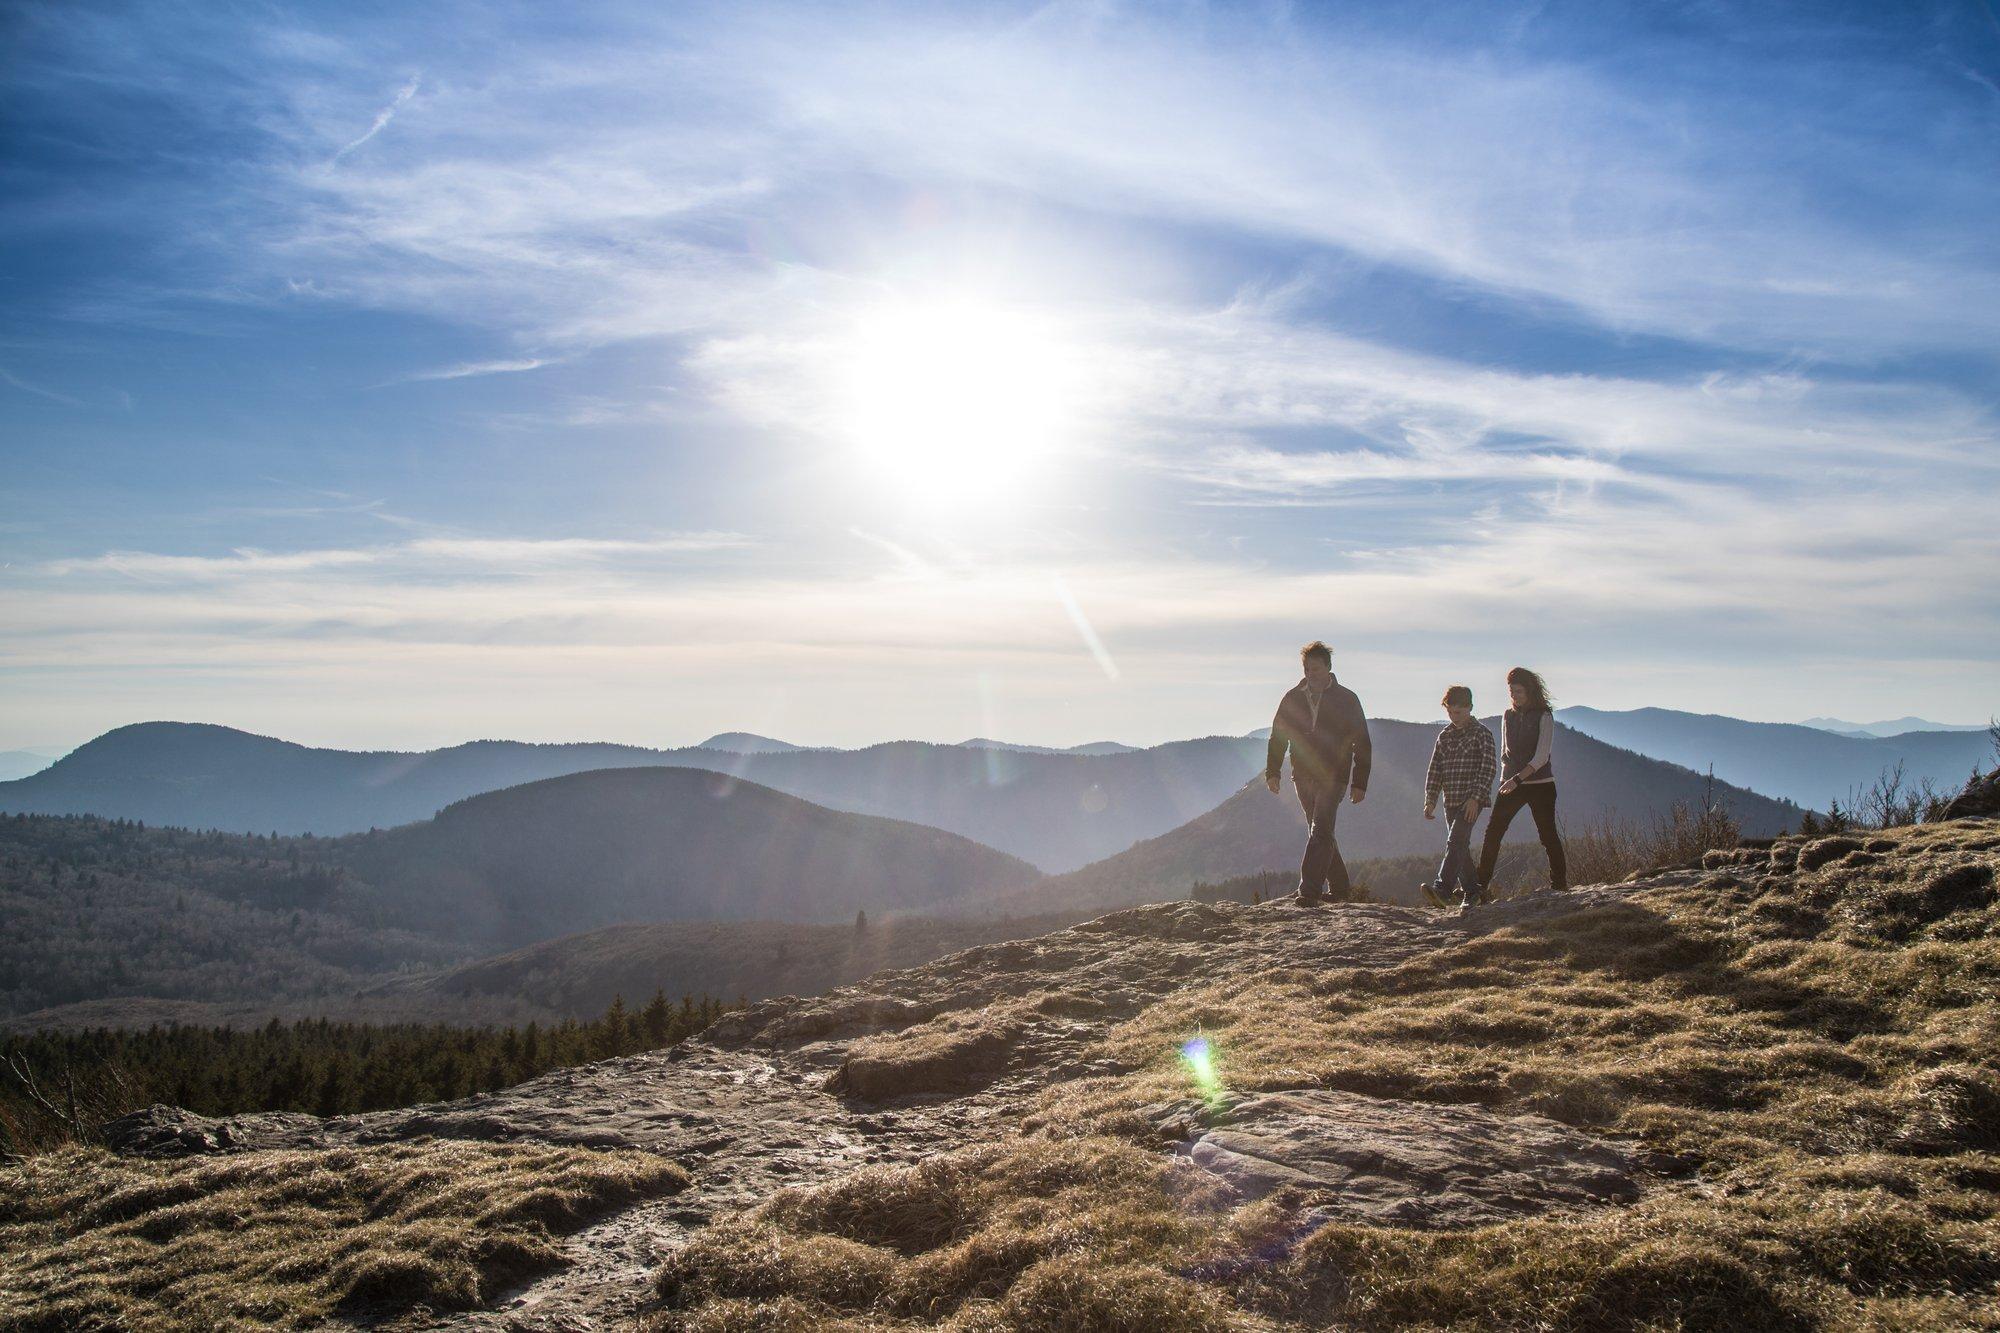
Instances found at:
x=312 y=1066
x=579 y=974
x=103 y=908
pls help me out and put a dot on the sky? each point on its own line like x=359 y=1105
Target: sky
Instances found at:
x=390 y=376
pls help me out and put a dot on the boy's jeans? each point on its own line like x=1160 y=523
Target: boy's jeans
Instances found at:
x=1456 y=873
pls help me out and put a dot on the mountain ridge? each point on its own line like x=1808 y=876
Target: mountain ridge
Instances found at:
x=1786 y=760
x=1055 y=810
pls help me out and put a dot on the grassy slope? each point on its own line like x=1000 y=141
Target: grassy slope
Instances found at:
x=1811 y=1058
x=289 y=1239
x=579 y=974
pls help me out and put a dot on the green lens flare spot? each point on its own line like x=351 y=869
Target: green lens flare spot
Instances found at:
x=1199 y=1057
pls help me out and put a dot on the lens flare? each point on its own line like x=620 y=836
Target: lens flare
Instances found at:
x=1199 y=1057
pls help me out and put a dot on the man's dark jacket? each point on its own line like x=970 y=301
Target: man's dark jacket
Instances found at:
x=1332 y=752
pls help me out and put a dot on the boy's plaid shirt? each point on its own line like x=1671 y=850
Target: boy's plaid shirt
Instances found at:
x=1462 y=767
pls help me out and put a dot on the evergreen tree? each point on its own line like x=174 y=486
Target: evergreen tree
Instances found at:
x=658 y=1020
x=615 y=1029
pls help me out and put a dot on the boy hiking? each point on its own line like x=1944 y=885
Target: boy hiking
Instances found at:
x=1461 y=775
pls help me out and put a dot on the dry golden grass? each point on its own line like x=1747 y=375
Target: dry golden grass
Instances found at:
x=285 y=1239
x=950 y=1051
x=1809 y=1061
x=1034 y=1234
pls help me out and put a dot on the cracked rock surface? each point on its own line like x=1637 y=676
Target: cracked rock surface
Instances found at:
x=1397 y=1163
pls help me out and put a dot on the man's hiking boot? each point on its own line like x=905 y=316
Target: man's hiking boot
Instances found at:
x=1312 y=899
x=1432 y=896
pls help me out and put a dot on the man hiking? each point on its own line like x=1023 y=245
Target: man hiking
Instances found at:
x=1320 y=721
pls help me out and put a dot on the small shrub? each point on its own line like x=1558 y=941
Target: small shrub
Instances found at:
x=1611 y=849
x=1892 y=801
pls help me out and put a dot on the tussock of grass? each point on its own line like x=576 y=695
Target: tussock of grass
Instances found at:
x=952 y=1050
x=89 y=1240
x=1808 y=1058
x=1081 y=1234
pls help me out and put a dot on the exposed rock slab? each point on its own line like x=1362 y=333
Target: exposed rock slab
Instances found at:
x=168 y=1131
x=1409 y=1164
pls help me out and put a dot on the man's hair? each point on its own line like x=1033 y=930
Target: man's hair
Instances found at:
x=1458 y=696
x=1315 y=649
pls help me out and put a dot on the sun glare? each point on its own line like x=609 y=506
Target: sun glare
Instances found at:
x=956 y=402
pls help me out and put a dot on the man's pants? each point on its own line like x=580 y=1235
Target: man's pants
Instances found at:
x=1455 y=872
x=1540 y=798
x=1321 y=867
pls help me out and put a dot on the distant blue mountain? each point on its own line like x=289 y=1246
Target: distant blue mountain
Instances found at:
x=20 y=763
x=748 y=742
x=1015 y=747
x=1058 y=811
x=1793 y=762
x=1895 y=726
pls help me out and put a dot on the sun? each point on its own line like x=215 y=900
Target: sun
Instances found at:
x=956 y=402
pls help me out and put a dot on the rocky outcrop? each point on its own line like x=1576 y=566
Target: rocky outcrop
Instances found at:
x=168 y=1131
x=1980 y=798
x=1371 y=1159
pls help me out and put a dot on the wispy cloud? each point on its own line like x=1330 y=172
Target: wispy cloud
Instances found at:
x=569 y=192
x=8 y=377
x=498 y=555
x=472 y=369
x=383 y=117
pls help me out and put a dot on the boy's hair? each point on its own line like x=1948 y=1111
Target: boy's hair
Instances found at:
x=1538 y=690
x=1458 y=696
x=1315 y=649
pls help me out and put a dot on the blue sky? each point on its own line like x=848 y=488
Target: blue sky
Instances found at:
x=391 y=376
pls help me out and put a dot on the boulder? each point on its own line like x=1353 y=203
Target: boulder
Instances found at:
x=1981 y=797
x=168 y=1131
x=1408 y=1164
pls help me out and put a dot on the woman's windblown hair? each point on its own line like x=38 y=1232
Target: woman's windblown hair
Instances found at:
x=1538 y=691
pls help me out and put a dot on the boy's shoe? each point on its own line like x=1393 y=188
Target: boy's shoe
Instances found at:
x=1431 y=894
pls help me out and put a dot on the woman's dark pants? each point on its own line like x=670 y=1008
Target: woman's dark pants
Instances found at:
x=1540 y=798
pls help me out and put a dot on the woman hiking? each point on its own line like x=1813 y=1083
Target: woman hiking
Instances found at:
x=1527 y=777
